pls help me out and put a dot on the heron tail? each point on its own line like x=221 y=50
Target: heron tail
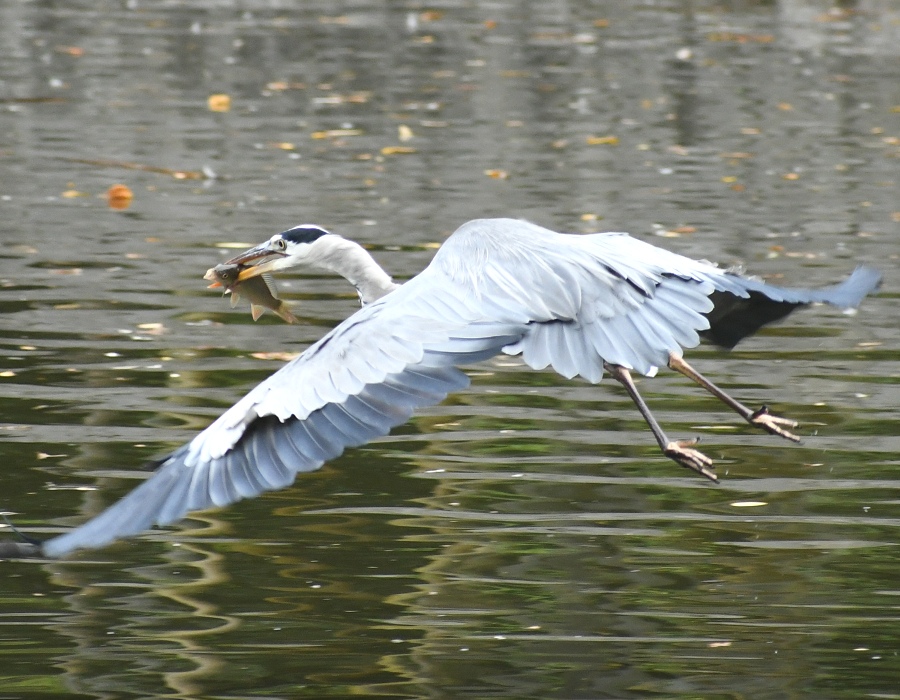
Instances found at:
x=744 y=305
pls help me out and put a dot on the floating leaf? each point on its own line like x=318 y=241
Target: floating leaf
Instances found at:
x=395 y=150
x=233 y=245
x=336 y=133
x=119 y=197
x=602 y=140
x=280 y=85
x=282 y=356
x=218 y=103
x=75 y=51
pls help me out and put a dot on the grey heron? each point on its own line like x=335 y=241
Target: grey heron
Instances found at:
x=581 y=304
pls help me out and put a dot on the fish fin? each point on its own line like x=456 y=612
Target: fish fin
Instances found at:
x=284 y=312
x=256 y=311
x=234 y=298
x=270 y=283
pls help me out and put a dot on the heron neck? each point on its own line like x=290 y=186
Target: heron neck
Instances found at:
x=353 y=262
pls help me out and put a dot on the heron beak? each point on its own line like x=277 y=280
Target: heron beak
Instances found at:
x=256 y=261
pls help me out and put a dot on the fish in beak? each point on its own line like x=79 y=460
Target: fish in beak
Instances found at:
x=260 y=291
x=256 y=261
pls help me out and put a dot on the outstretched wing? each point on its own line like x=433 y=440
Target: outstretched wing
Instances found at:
x=360 y=380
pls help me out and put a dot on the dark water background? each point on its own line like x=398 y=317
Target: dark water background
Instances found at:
x=526 y=539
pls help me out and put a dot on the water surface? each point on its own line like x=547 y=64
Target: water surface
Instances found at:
x=525 y=539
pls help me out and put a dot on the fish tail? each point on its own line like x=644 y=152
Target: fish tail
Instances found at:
x=284 y=312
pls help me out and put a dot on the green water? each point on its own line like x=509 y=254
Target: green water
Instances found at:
x=525 y=539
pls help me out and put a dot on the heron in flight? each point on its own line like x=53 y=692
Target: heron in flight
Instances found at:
x=581 y=304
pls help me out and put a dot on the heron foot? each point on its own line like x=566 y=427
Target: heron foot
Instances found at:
x=775 y=425
x=683 y=452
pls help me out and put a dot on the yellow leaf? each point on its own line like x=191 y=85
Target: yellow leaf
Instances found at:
x=218 y=103
x=603 y=140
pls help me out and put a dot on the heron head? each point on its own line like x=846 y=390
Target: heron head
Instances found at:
x=294 y=247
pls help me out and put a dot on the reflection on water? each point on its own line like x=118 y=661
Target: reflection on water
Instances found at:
x=524 y=540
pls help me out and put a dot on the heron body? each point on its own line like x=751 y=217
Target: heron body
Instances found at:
x=581 y=304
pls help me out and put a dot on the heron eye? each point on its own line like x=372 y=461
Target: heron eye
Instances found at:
x=280 y=244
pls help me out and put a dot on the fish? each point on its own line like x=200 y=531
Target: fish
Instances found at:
x=260 y=291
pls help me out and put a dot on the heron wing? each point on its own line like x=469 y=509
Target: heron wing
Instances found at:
x=360 y=380
x=609 y=297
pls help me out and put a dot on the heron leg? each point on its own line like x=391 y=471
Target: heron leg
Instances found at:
x=681 y=451
x=761 y=418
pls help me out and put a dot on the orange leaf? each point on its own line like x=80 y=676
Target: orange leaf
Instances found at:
x=119 y=197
